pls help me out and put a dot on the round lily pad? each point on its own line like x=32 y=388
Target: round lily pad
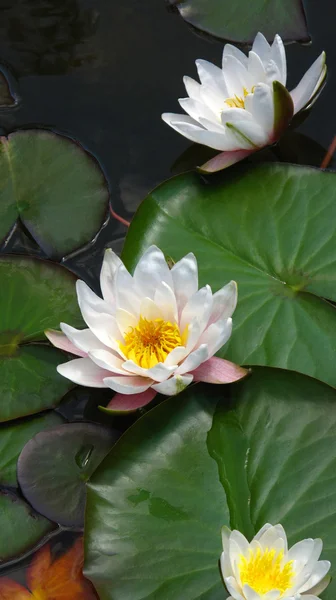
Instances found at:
x=56 y=188
x=55 y=465
x=263 y=450
x=21 y=527
x=240 y=21
x=13 y=438
x=271 y=228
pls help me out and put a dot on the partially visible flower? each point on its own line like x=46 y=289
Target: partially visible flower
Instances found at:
x=153 y=332
x=245 y=105
x=265 y=569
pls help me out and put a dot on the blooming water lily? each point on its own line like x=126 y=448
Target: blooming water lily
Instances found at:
x=153 y=332
x=245 y=105
x=266 y=569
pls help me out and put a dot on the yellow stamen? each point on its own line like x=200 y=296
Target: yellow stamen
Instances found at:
x=238 y=101
x=264 y=571
x=150 y=342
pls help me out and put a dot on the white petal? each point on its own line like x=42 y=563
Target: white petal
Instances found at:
x=194 y=132
x=159 y=372
x=272 y=72
x=213 y=99
x=110 y=265
x=225 y=565
x=273 y=537
x=238 y=538
x=126 y=295
x=301 y=552
x=262 y=48
x=250 y=594
x=248 y=132
x=199 y=307
x=320 y=571
x=129 y=384
x=230 y=50
x=175 y=356
x=193 y=335
x=273 y=595
x=256 y=68
x=233 y=588
x=103 y=325
x=261 y=105
x=192 y=87
x=216 y=335
x=125 y=321
x=215 y=126
x=83 y=372
x=212 y=76
x=59 y=340
x=151 y=269
x=185 y=279
x=108 y=361
x=83 y=339
x=305 y=89
x=86 y=297
x=150 y=310
x=193 y=360
x=261 y=531
x=165 y=299
x=196 y=110
x=278 y=54
x=236 y=76
x=224 y=302
x=174 y=385
x=321 y=586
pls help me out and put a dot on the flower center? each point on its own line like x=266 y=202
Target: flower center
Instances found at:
x=264 y=571
x=150 y=342
x=238 y=101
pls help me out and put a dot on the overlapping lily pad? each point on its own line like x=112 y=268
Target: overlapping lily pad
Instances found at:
x=55 y=465
x=272 y=229
x=54 y=186
x=13 y=438
x=35 y=295
x=21 y=528
x=240 y=21
x=154 y=513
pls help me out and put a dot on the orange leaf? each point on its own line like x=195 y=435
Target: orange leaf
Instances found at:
x=62 y=579
x=10 y=590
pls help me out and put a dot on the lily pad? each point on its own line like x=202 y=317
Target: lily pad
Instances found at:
x=154 y=514
x=55 y=187
x=284 y=258
x=240 y=21
x=36 y=295
x=13 y=438
x=55 y=465
x=21 y=528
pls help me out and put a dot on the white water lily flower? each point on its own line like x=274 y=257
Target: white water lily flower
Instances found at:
x=265 y=569
x=153 y=332
x=245 y=105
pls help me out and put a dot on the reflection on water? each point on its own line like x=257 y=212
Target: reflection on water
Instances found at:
x=49 y=37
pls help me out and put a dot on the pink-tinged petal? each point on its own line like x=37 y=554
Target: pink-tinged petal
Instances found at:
x=224 y=160
x=193 y=360
x=127 y=384
x=83 y=339
x=59 y=340
x=218 y=370
x=123 y=403
x=111 y=262
x=185 y=279
x=174 y=385
x=84 y=372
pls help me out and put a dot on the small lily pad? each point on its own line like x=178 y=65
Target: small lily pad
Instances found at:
x=55 y=187
x=21 y=528
x=55 y=465
x=240 y=21
x=13 y=438
x=36 y=295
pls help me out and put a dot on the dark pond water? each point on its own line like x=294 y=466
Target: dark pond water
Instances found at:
x=103 y=71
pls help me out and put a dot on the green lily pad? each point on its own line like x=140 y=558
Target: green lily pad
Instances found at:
x=21 y=528
x=270 y=228
x=154 y=513
x=55 y=465
x=56 y=188
x=13 y=438
x=36 y=295
x=240 y=21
